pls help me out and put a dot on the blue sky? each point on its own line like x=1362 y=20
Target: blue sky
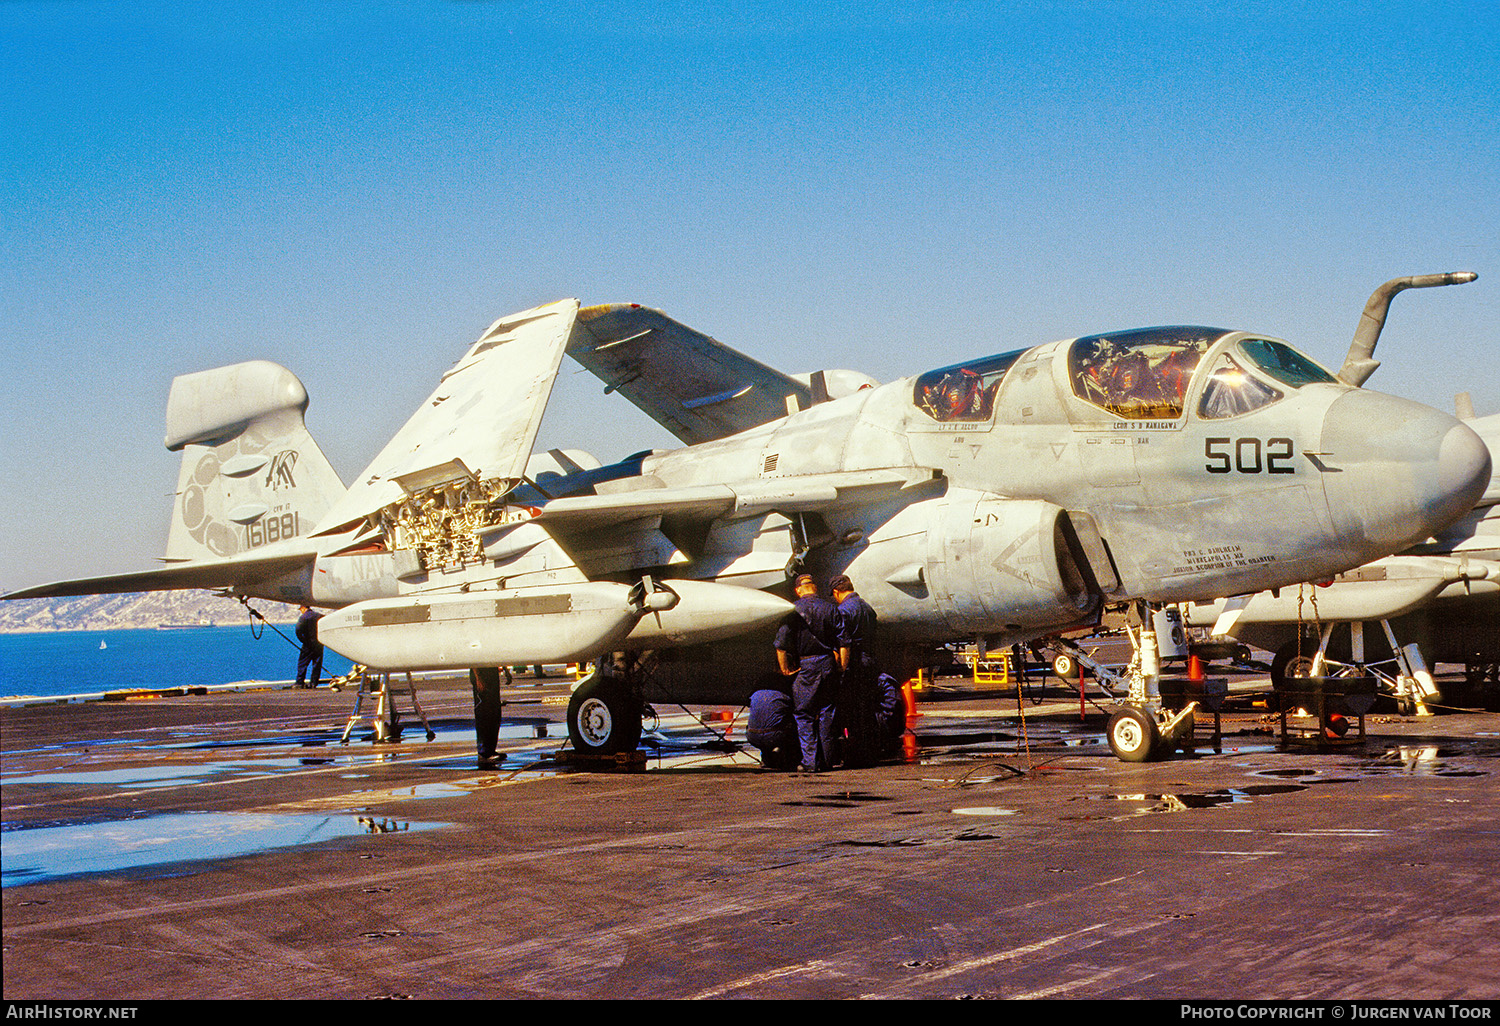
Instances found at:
x=357 y=190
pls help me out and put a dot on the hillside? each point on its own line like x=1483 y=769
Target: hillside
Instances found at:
x=140 y=609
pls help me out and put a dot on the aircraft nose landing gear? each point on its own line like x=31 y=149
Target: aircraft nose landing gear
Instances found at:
x=1141 y=729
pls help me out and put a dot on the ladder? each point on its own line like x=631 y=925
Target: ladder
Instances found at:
x=386 y=717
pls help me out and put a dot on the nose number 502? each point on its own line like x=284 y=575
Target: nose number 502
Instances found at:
x=1249 y=456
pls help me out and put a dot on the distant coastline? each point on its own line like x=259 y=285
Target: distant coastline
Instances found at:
x=135 y=611
x=45 y=665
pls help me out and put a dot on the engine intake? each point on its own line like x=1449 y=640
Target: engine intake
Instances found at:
x=1000 y=565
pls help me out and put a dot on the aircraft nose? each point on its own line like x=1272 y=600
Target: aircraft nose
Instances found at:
x=1396 y=471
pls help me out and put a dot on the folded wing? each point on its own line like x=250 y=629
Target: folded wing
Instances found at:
x=690 y=384
x=479 y=423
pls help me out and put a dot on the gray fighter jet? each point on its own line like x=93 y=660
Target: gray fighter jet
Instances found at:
x=1004 y=498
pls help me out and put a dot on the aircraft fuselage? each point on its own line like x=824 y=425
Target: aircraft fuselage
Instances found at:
x=1159 y=465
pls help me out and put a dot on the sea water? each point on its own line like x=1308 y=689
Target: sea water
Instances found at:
x=47 y=663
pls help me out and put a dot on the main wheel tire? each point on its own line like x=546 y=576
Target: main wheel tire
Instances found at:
x=604 y=718
x=1064 y=667
x=1288 y=663
x=1133 y=736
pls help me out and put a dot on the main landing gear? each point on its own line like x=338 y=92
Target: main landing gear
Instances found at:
x=604 y=712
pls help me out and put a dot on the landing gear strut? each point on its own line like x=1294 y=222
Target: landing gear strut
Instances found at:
x=1142 y=729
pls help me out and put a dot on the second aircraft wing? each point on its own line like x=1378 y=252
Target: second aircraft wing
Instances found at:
x=694 y=386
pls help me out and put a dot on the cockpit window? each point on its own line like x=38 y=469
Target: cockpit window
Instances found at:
x=1230 y=392
x=1139 y=375
x=1284 y=363
x=965 y=391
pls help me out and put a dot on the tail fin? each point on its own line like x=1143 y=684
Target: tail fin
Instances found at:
x=251 y=474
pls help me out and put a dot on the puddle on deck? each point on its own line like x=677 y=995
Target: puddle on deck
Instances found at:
x=168 y=843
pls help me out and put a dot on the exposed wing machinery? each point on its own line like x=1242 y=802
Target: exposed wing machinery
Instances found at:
x=478 y=426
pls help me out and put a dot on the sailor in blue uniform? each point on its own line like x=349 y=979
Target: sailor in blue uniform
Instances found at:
x=858 y=698
x=485 y=683
x=773 y=730
x=805 y=649
x=857 y=623
x=311 y=654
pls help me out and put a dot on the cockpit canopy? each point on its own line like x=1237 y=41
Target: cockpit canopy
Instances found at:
x=1144 y=374
x=1231 y=390
x=964 y=392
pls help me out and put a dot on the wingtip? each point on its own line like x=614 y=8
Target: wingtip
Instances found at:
x=589 y=313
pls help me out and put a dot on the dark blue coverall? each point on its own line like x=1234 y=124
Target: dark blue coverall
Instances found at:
x=858 y=701
x=857 y=633
x=312 y=648
x=773 y=729
x=892 y=712
x=810 y=636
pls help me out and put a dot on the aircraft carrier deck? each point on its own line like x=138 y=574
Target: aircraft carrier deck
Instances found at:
x=225 y=845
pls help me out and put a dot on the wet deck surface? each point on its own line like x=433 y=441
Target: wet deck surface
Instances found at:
x=228 y=846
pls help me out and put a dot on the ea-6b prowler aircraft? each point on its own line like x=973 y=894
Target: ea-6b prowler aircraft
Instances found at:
x=1003 y=498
